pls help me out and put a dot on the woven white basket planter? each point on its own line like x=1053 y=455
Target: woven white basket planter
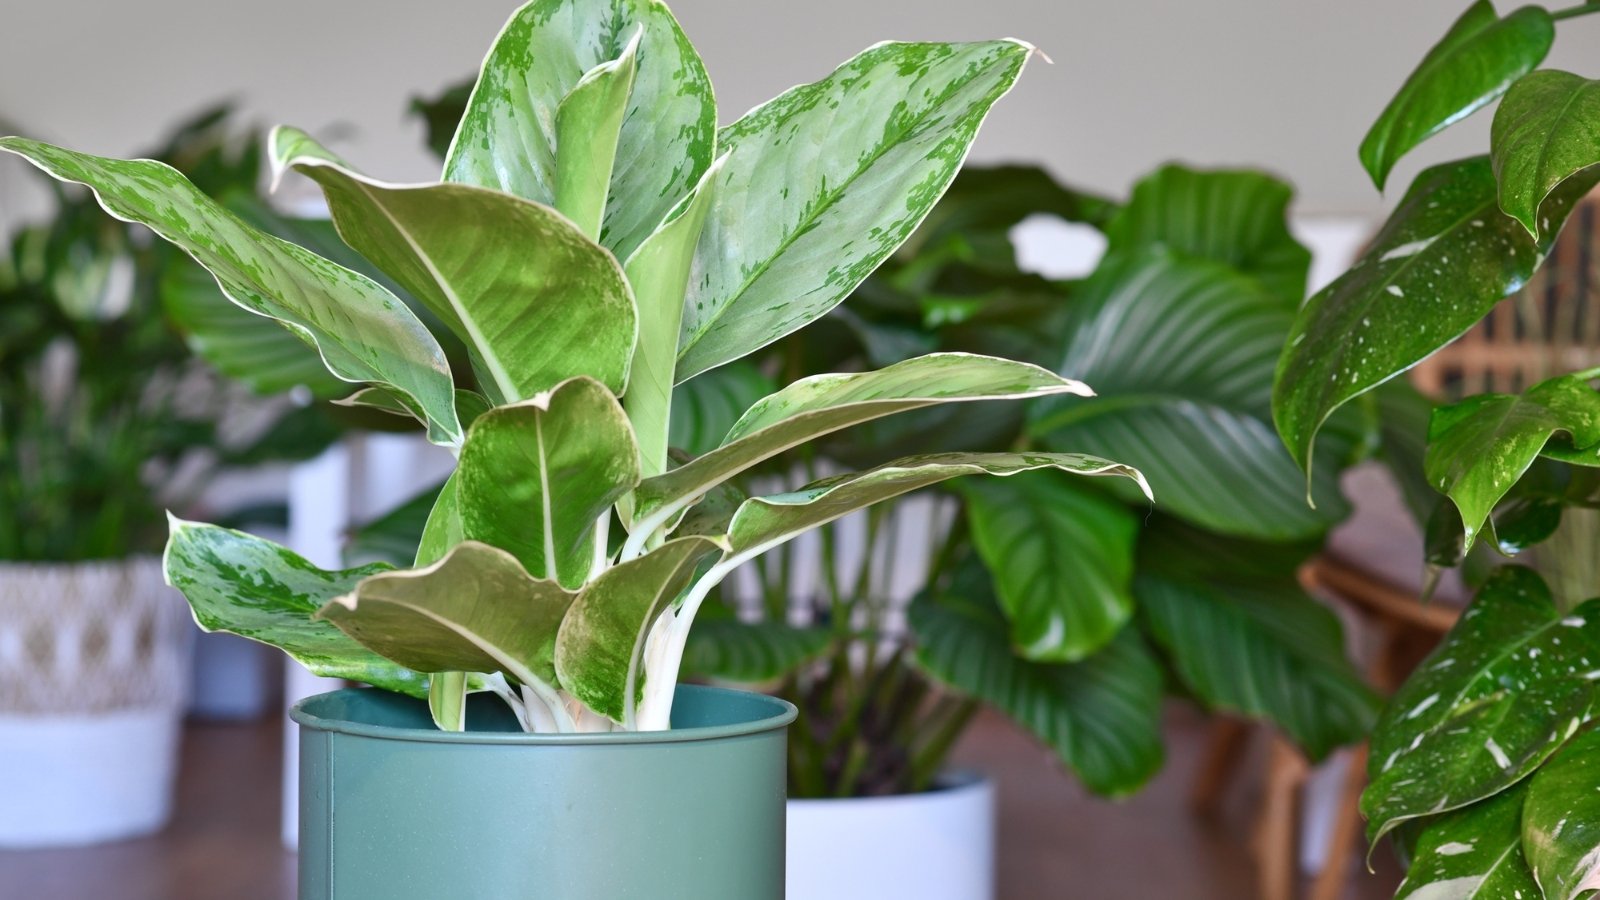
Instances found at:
x=937 y=845
x=94 y=664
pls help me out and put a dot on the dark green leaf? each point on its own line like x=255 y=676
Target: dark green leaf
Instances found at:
x=1546 y=131
x=1561 y=821
x=1477 y=59
x=1472 y=854
x=725 y=649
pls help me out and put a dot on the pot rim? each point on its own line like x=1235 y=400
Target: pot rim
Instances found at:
x=951 y=784
x=782 y=713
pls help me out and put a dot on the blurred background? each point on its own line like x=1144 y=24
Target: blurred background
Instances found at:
x=1286 y=88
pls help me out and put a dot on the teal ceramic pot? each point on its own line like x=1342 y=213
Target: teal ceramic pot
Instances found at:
x=393 y=809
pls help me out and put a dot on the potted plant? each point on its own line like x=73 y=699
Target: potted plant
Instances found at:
x=1071 y=609
x=104 y=419
x=595 y=240
x=1485 y=767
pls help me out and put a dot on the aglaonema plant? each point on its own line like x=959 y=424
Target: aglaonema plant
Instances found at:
x=596 y=238
x=1486 y=764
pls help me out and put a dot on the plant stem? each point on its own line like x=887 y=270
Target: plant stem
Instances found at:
x=927 y=760
x=1582 y=9
x=1588 y=374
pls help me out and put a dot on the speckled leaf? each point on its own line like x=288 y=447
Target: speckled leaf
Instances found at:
x=1472 y=854
x=1512 y=681
x=1062 y=558
x=821 y=404
x=1180 y=353
x=1477 y=59
x=1446 y=256
x=475 y=610
x=364 y=333
x=1266 y=651
x=659 y=273
x=507 y=139
x=1238 y=218
x=1546 y=131
x=443 y=529
x=824 y=182
x=536 y=301
x=588 y=123
x=1561 y=821
x=765 y=522
x=725 y=649
x=534 y=477
x=243 y=585
x=600 y=651
x=1102 y=716
x=1480 y=447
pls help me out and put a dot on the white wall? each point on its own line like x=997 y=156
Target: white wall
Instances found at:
x=1286 y=84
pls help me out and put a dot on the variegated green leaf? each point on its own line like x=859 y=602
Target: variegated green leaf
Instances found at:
x=364 y=333
x=798 y=222
x=1101 y=716
x=600 y=651
x=588 y=123
x=765 y=522
x=1062 y=559
x=1514 y=679
x=1478 y=58
x=535 y=477
x=447 y=700
x=1546 y=131
x=1472 y=854
x=535 y=300
x=475 y=610
x=442 y=529
x=507 y=140
x=707 y=405
x=1479 y=448
x=659 y=273
x=1561 y=821
x=243 y=585
x=822 y=404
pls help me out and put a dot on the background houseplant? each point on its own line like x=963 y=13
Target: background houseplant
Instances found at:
x=105 y=419
x=584 y=186
x=1484 y=765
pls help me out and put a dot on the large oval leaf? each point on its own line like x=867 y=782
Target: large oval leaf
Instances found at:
x=535 y=300
x=1180 y=352
x=535 y=477
x=1062 y=560
x=1472 y=854
x=274 y=602
x=1446 y=256
x=1561 y=821
x=475 y=610
x=1546 y=131
x=1479 y=448
x=365 y=333
x=796 y=224
x=1267 y=651
x=1477 y=59
x=1238 y=218
x=1101 y=716
x=507 y=138
x=1512 y=681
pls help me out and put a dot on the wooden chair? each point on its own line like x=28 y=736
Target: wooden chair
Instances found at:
x=1549 y=327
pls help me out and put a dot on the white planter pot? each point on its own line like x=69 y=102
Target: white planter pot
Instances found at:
x=94 y=663
x=937 y=845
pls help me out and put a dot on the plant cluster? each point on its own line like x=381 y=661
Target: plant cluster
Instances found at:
x=595 y=240
x=1486 y=764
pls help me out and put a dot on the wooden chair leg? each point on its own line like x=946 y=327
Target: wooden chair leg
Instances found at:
x=1276 y=844
x=1330 y=883
x=1225 y=749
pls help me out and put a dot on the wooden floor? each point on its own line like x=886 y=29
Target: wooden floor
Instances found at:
x=1055 y=841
